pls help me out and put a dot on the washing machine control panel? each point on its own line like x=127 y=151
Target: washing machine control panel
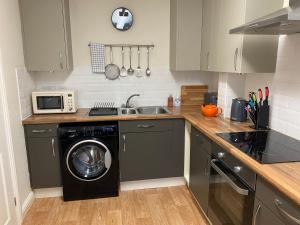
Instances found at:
x=100 y=131
x=89 y=131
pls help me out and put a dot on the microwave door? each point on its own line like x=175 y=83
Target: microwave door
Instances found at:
x=50 y=102
x=230 y=200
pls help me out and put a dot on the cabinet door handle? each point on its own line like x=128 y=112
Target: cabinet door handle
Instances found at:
x=61 y=60
x=53 y=148
x=145 y=125
x=235 y=58
x=285 y=213
x=207 y=59
x=124 y=143
x=39 y=131
x=256 y=214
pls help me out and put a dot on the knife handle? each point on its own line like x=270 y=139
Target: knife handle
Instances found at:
x=260 y=94
x=267 y=92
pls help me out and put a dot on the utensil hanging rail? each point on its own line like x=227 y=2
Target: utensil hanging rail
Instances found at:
x=128 y=45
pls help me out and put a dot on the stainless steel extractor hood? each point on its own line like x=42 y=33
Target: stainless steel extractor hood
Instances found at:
x=284 y=21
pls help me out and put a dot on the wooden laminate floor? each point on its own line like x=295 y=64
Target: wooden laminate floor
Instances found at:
x=161 y=206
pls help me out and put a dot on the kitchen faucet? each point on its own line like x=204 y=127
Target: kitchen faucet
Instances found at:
x=128 y=100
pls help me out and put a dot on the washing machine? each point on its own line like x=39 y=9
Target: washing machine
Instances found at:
x=89 y=160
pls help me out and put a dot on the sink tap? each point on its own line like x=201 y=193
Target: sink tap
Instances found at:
x=128 y=100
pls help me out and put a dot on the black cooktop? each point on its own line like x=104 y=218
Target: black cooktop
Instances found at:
x=266 y=147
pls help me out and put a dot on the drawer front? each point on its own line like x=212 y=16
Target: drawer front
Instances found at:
x=145 y=125
x=40 y=131
x=280 y=205
x=201 y=140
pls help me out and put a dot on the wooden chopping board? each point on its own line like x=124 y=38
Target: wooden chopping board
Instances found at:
x=193 y=95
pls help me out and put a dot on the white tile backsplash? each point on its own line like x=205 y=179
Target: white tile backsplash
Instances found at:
x=26 y=86
x=230 y=86
x=284 y=87
x=154 y=90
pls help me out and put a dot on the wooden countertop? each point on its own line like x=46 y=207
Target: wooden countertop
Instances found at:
x=283 y=176
x=82 y=116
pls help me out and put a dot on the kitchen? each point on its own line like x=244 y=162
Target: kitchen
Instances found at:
x=167 y=168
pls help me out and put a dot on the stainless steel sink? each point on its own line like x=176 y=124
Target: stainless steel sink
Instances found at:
x=152 y=110
x=147 y=110
x=128 y=111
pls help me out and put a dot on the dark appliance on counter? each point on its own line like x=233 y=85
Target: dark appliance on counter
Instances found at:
x=103 y=112
x=266 y=147
x=231 y=190
x=211 y=98
x=238 y=110
x=89 y=160
x=103 y=109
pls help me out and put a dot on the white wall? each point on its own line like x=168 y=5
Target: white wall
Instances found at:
x=284 y=87
x=12 y=55
x=26 y=85
x=90 y=21
x=230 y=86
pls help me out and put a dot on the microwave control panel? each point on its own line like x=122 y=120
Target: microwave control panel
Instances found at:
x=70 y=102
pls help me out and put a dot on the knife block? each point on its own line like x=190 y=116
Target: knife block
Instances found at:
x=262 y=118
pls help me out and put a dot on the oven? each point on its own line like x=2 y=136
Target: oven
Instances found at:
x=231 y=190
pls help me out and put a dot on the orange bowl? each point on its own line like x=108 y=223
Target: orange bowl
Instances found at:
x=210 y=110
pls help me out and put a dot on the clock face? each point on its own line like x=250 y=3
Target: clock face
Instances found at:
x=122 y=19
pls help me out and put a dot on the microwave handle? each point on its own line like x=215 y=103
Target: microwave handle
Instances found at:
x=228 y=180
x=62 y=103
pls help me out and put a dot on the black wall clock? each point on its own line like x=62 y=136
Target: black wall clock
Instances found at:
x=122 y=19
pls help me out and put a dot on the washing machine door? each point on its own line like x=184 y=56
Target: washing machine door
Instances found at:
x=88 y=160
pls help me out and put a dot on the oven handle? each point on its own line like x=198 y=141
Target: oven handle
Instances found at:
x=228 y=180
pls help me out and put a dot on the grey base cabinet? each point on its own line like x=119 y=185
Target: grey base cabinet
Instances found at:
x=264 y=216
x=281 y=210
x=151 y=149
x=43 y=156
x=200 y=168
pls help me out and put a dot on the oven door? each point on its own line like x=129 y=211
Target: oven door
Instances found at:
x=230 y=199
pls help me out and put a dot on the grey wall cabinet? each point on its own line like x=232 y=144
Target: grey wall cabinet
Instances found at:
x=43 y=156
x=151 y=149
x=200 y=167
x=185 y=36
x=46 y=35
x=236 y=53
x=272 y=207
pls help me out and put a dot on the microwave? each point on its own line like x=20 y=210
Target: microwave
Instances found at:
x=45 y=102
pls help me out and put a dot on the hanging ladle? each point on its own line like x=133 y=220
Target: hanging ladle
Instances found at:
x=148 y=71
x=130 y=71
x=123 y=72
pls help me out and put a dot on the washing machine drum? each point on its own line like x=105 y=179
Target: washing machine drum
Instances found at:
x=88 y=160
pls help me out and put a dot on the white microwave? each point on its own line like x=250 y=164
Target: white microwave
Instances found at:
x=45 y=102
